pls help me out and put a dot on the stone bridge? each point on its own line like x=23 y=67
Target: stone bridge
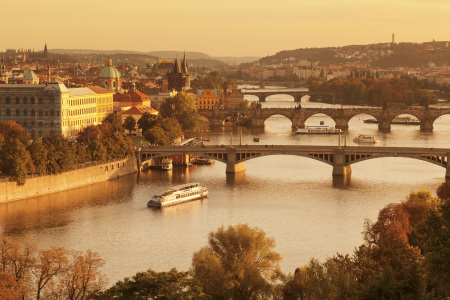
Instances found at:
x=339 y=157
x=298 y=94
x=341 y=116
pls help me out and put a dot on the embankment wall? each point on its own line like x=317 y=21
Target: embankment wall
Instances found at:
x=42 y=185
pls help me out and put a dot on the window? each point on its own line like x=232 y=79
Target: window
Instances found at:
x=52 y=112
x=8 y=100
x=25 y=112
x=32 y=113
x=25 y=100
x=17 y=100
x=32 y=100
x=17 y=112
x=8 y=112
x=33 y=123
x=40 y=124
x=41 y=113
x=25 y=123
x=40 y=100
x=57 y=113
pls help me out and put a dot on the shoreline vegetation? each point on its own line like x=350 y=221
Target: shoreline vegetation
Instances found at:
x=405 y=255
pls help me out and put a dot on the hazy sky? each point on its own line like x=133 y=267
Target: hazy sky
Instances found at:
x=219 y=28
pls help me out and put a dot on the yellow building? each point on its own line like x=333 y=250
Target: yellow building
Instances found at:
x=207 y=99
x=44 y=110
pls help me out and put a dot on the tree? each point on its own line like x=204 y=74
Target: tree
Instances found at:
x=172 y=285
x=147 y=121
x=238 y=263
x=11 y=130
x=49 y=265
x=443 y=191
x=97 y=151
x=82 y=278
x=172 y=128
x=130 y=124
x=112 y=120
x=10 y=289
x=16 y=161
x=89 y=134
x=182 y=108
x=61 y=154
x=157 y=136
x=38 y=155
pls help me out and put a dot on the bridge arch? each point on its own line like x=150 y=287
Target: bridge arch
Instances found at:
x=278 y=114
x=363 y=116
x=441 y=119
x=434 y=159
x=324 y=158
x=317 y=118
x=289 y=97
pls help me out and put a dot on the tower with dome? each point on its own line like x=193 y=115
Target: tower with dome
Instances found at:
x=110 y=77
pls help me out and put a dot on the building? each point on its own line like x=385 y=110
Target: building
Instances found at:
x=110 y=77
x=3 y=75
x=136 y=112
x=45 y=110
x=30 y=78
x=179 y=79
x=133 y=98
x=207 y=99
x=233 y=98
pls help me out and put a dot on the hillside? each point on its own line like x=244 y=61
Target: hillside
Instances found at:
x=384 y=55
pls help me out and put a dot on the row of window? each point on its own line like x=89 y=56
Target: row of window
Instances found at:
x=207 y=102
x=82 y=111
x=8 y=100
x=40 y=113
x=39 y=124
x=112 y=166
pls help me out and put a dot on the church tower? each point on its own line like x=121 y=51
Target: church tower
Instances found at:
x=45 y=50
x=179 y=79
x=3 y=76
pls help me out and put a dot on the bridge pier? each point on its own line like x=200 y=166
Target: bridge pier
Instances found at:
x=232 y=166
x=384 y=127
x=339 y=166
x=447 y=172
x=426 y=126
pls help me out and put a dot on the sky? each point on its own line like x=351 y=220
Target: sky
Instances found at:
x=219 y=28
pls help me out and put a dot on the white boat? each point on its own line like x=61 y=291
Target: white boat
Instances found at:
x=365 y=139
x=166 y=164
x=178 y=194
x=318 y=130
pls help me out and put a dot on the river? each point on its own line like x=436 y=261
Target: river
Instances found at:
x=293 y=199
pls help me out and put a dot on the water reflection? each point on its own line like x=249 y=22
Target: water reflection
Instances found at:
x=235 y=179
x=342 y=182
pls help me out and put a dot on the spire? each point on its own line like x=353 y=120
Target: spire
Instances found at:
x=45 y=50
x=184 y=68
x=176 y=67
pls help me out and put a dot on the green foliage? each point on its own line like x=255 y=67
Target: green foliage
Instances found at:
x=182 y=108
x=61 y=155
x=15 y=161
x=129 y=124
x=172 y=127
x=38 y=155
x=157 y=136
x=147 y=121
x=114 y=122
x=238 y=263
x=172 y=285
x=443 y=190
x=213 y=81
x=97 y=151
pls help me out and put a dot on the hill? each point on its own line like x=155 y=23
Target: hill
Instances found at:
x=385 y=55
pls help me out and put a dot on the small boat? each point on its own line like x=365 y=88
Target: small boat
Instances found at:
x=318 y=130
x=178 y=194
x=365 y=139
x=166 y=164
x=322 y=122
x=397 y=120
x=199 y=160
x=256 y=139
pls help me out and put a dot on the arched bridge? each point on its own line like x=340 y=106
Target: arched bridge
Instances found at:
x=341 y=116
x=341 y=158
x=298 y=94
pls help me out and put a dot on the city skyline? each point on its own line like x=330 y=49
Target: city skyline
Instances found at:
x=220 y=29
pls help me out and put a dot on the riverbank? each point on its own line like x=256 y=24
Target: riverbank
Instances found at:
x=42 y=185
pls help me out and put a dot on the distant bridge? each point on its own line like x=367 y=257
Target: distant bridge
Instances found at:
x=298 y=94
x=341 y=158
x=341 y=116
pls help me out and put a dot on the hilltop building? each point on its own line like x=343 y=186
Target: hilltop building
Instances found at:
x=207 y=99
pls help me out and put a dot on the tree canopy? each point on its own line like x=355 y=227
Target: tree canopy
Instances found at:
x=181 y=107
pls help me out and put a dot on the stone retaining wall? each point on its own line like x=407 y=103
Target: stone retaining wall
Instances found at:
x=41 y=185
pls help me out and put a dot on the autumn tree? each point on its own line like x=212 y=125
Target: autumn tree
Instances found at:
x=157 y=136
x=10 y=289
x=49 y=265
x=11 y=130
x=172 y=128
x=16 y=161
x=238 y=263
x=61 y=154
x=130 y=124
x=39 y=155
x=172 y=285
x=113 y=121
x=443 y=191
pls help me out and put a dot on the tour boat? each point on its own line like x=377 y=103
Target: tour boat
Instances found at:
x=318 y=130
x=199 y=160
x=256 y=139
x=166 y=164
x=178 y=194
x=365 y=139
x=397 y=120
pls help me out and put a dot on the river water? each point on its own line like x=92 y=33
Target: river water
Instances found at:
x=293 y=199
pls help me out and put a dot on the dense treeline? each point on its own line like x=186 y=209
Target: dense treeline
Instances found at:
x=405 y=255
x=407 y=90
x=55 y=154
